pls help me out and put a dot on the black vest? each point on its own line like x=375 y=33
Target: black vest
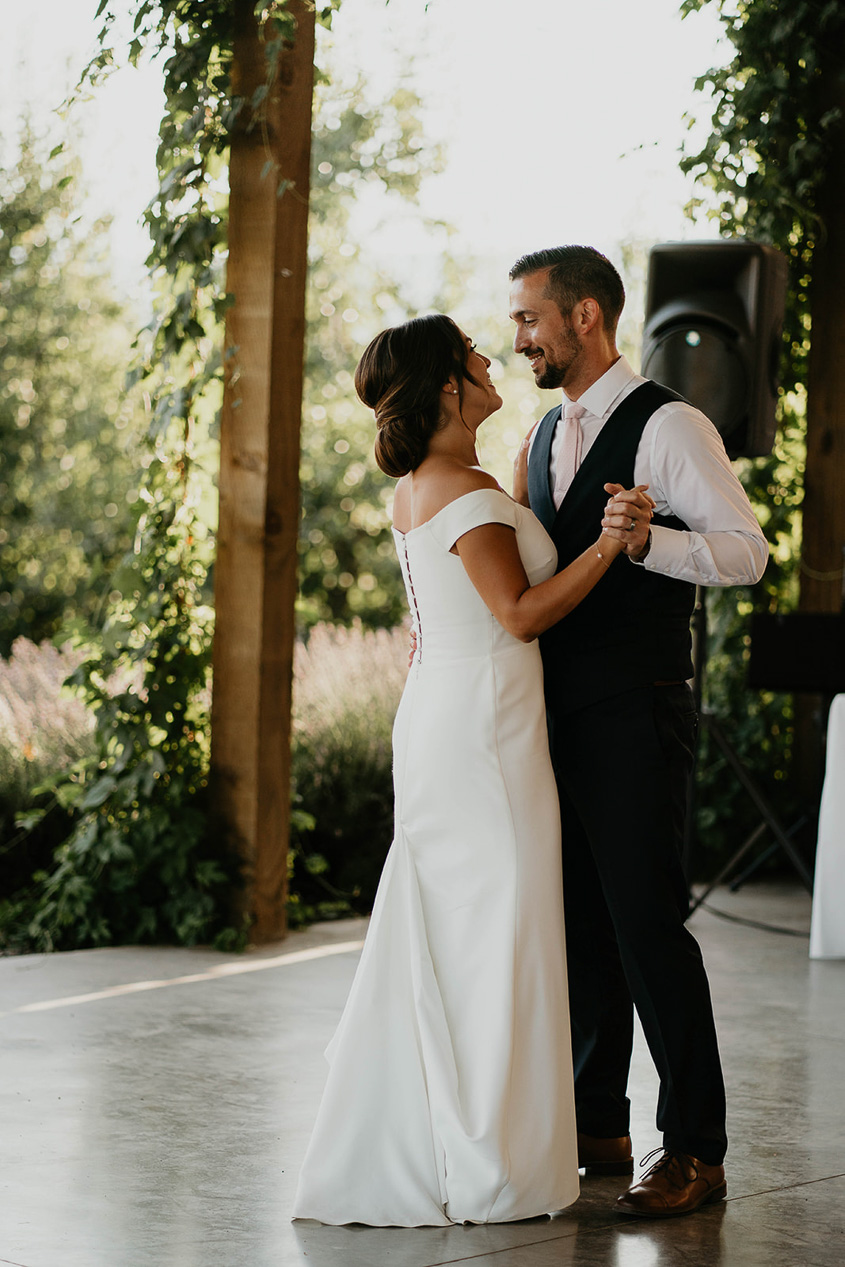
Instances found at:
x=633 y=628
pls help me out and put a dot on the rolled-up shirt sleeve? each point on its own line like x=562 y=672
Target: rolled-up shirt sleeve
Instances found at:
x=683 y=460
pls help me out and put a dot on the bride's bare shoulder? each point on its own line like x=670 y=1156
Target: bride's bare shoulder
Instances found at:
x=444 y=481
x=433 y=486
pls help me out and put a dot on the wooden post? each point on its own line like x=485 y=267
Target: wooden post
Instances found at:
x=823 y=548
x=824 y=504
x=256 y=567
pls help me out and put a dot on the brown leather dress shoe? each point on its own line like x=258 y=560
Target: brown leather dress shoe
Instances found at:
x=605 y=1156
x=675 y=1184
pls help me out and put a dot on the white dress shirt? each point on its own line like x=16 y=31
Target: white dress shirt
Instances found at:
x=682 y=458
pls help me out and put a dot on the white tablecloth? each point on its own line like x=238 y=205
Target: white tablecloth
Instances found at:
x=827 y=929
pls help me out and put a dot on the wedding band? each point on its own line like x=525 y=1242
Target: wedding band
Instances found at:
x=632 y=525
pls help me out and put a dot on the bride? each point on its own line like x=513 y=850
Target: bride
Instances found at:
x=449 y=1096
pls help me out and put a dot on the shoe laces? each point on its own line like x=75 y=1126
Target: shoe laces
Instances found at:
x=683 y=1163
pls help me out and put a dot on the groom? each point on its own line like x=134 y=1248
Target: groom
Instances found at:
x=616 y=672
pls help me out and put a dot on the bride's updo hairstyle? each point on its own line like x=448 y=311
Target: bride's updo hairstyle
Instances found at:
x=400 y=377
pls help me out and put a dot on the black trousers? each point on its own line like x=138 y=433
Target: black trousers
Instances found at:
x=623 y=767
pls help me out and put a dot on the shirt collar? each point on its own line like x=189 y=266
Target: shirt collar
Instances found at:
x=602 y=395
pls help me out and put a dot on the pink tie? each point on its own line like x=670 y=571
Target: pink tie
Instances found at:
x=569 y=457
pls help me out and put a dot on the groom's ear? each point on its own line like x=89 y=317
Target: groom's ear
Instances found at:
x=586 y=316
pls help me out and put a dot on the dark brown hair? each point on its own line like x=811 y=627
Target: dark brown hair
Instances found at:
x=577 y=272
x=400 y=377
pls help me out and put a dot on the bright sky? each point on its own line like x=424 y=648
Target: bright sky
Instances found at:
x=561 y=120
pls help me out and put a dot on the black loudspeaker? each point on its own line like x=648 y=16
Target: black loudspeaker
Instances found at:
x=713 y=327
x=798 y=651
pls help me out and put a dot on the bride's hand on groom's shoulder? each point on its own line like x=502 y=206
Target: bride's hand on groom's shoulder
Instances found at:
x=627 y=517
x=520 y=470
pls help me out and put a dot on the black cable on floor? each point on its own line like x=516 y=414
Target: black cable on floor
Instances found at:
x=753 y=923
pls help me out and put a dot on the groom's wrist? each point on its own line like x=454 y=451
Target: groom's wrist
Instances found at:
x=643 y=554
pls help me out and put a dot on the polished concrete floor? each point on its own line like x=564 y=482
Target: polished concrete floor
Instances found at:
x=156 y=1104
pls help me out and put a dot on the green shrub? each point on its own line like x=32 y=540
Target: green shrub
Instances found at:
x=91 y=855
x=347 y=686
x=45 y=729
x=143 y=860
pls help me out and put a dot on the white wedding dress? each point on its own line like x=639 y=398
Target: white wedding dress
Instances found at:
x=449 y=1096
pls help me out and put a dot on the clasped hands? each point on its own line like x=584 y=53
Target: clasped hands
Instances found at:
x=627 y=517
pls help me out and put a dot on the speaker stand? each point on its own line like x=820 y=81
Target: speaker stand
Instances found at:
x=770 y=820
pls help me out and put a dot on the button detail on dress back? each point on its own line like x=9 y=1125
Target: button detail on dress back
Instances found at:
x=416 y=611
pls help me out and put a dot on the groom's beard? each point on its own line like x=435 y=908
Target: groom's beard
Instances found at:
x=558 y=364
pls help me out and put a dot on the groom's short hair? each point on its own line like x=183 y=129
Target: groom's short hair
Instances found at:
x=577 y=272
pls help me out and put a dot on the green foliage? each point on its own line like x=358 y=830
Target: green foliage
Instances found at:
x=142 y=862
x=68 y=430
x=772 y=128
x=347 y=557
x=760 y=171
x=44 y=730
x=127 y=876
x=346 y=690
x=760 y=725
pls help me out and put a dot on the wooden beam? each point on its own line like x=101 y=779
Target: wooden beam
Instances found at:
x=256 y=566
x=824 y=505
x=823 y=536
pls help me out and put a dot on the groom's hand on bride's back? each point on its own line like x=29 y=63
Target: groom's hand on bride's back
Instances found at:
x=520 y=469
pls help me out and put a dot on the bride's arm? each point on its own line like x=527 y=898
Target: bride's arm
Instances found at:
x=492 y=561
x=491 y=558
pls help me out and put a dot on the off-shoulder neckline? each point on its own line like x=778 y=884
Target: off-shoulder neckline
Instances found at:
x=472 y=493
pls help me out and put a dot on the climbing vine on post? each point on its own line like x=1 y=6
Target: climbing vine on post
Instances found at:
x=772 y=136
